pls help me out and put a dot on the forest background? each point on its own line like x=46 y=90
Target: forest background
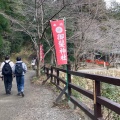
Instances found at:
x=90 y=27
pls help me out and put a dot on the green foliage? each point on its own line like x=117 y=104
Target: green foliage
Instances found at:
x=3 y=24
x=115 y=10
x=71 y=58
x=69 y=33
x=70 y=49
x=113 y=93
x=27 y=39
x=5 y=49
x=1 y=42
x=48 y=32
x=17 y=42
x=110 y=91
x=4 y=27
x=46 y=48
x=3 y=4
x=15 y=9
x=13 y=41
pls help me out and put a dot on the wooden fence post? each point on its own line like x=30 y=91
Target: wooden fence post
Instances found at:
x=51 y=74
x=97 y=106
x=69 y=79
x=47 y=70
x=57 y=79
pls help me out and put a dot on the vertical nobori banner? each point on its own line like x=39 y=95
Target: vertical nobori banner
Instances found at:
x=59 y=35
x=41 y=53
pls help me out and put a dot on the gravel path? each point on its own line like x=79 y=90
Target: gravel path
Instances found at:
x=36 y=105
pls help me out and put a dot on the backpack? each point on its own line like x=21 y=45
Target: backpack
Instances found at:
x=7 y=70
x=18 y=69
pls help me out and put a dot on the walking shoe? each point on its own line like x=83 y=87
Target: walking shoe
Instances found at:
x=19 y=94
x=22 y=94
x=8 y=92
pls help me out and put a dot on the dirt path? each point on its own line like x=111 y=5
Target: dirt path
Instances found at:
x=36 y=105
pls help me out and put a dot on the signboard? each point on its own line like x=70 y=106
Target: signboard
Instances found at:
x=59 y=35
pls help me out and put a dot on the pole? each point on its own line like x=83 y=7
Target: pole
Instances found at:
x=66 y=67
x=67 y=81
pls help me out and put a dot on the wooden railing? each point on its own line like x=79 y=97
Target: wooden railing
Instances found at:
x=96 y=113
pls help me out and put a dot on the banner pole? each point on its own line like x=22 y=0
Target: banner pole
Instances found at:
x=66 y=66
x=67 y=82
x=59 y=33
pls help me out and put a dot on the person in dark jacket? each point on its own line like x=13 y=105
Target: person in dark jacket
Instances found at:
x=20 y=77
x=7 y=77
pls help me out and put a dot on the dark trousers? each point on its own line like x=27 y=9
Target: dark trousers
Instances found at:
x=8 y=83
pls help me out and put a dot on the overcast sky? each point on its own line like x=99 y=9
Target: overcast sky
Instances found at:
x=109 y=1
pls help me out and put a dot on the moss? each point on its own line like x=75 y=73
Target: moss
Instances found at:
x=103 y=28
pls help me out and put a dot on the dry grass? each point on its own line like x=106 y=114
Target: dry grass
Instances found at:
x=38 y=81
x=63 y=104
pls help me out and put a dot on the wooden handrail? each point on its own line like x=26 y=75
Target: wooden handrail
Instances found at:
x=105 y=79
x=99 y=100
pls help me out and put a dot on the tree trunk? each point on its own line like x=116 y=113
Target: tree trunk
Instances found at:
x=38 y=73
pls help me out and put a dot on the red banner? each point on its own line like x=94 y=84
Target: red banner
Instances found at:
x=41 y=53
x=59 y=35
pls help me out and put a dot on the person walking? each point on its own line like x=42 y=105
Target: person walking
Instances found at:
x=20 y=69
x=7 y=72
x=33 y=63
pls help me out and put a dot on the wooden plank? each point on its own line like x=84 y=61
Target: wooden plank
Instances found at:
x=87 y=93
x=109 y=104
x=106 y=79
x=88 y=111
x=61 y=94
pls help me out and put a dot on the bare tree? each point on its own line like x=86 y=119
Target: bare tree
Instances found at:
x=87 y=19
